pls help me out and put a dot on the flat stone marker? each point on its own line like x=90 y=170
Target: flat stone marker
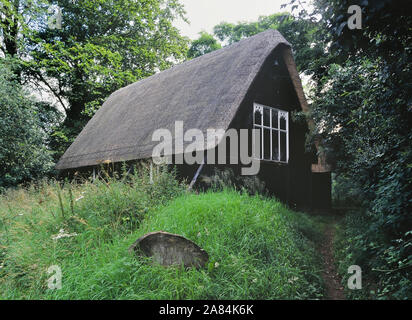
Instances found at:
x=170 y=249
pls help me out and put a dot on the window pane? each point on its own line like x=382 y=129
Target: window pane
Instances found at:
x=274 y=118
x=283 y=146
x=257 y=151
x=266 y=144
x=283 y=123
x=258 y=117
x=275 y=145
x=266 y=117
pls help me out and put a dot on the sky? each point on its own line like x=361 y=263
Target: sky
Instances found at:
x=203 y=15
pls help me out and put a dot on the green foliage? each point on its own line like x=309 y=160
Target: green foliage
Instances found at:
x=12 y=24
x=104 y=45
x=23 y=152
x=205 y=44
x=349 y=249
x=386 y=27
x=101 y=46
x=258 y=249
x=358 y=243
x=366 y=133
x=364 y=107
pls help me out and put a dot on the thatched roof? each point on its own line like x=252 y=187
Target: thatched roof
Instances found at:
x=205 y=92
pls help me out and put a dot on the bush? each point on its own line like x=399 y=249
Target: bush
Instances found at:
x=23 y=152
x=366 y=125
x=385 y=274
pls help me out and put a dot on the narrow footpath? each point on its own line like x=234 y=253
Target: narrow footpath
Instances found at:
x=334 y=288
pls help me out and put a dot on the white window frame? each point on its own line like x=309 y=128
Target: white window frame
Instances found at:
x=281 y=114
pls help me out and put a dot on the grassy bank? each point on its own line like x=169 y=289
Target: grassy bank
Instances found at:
x=258 y=248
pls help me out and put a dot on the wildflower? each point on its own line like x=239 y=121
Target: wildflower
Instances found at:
x=63 y=234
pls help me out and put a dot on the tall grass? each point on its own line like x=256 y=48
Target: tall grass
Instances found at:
x=90 y=214
x=258 y=248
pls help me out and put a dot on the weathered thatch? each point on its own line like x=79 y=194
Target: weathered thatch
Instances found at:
x=205 y=92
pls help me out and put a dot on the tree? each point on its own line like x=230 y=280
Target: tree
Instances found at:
x=101 y=46
x=364 y=105
x=16 y=17
x=385 y=26
x=23 y=151
x=204 y=44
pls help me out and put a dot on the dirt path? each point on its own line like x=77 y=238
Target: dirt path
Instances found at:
x=334 y=289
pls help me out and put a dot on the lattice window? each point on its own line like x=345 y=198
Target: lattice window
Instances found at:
x=273 y=126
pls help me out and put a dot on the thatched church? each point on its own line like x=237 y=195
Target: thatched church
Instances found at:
x=253 y=83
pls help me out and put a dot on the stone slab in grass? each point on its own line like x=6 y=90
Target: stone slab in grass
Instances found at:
x=170 y=249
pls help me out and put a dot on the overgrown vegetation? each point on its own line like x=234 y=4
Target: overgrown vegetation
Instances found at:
x=364 y=105
x=258 y=248
x=24 y=155
x=357 y=243
x=373 y=145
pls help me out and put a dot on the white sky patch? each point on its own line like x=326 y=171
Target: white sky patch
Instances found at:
x=203 y=15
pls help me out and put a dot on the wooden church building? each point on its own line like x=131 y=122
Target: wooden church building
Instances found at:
x=250 y=84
